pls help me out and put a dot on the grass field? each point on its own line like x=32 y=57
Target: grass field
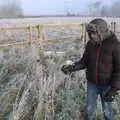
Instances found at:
x=49 y=33
x=32 y=86
x=49 y=20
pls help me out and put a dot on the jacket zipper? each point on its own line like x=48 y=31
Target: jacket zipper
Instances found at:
x=97 y=63
x=107 y=67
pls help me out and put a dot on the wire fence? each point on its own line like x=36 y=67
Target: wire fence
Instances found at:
x=43 y=34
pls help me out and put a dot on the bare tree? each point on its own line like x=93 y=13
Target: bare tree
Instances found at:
x=10 y=8
x=105 y=11
x=67 y=6
x=115 y=9
x=99 y=9
x=95 y=8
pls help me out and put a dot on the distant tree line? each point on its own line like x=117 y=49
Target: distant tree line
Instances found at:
x=99 y=9
x=13 y=8
x=10 y=8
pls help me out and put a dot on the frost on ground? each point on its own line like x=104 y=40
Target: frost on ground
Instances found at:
x=32 y=86
x=48 y=33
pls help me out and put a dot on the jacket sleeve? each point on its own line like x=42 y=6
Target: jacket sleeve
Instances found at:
x=82 y=63
x=116 y=67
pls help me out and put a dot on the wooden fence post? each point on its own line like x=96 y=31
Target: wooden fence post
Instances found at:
x=82 y=34
x=30 y=34
x=114 y=26
x=40 y=36
x=38 y=29
x=85 y=33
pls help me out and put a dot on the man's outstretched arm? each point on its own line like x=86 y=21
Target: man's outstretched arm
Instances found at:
x=78 y=65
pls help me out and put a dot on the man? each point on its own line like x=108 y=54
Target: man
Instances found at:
x=101 y=59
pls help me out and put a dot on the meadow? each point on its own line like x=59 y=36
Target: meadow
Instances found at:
x=32 y=86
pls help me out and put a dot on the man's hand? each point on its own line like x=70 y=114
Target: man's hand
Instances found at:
x=110 y=94
x=67 y=69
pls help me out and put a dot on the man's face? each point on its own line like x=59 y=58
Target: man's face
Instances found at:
x=94 y=33
x=95 y=37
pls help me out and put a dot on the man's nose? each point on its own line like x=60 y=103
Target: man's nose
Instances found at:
x=94 y=36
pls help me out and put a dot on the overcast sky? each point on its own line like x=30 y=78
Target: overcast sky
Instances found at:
x=57 y=6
